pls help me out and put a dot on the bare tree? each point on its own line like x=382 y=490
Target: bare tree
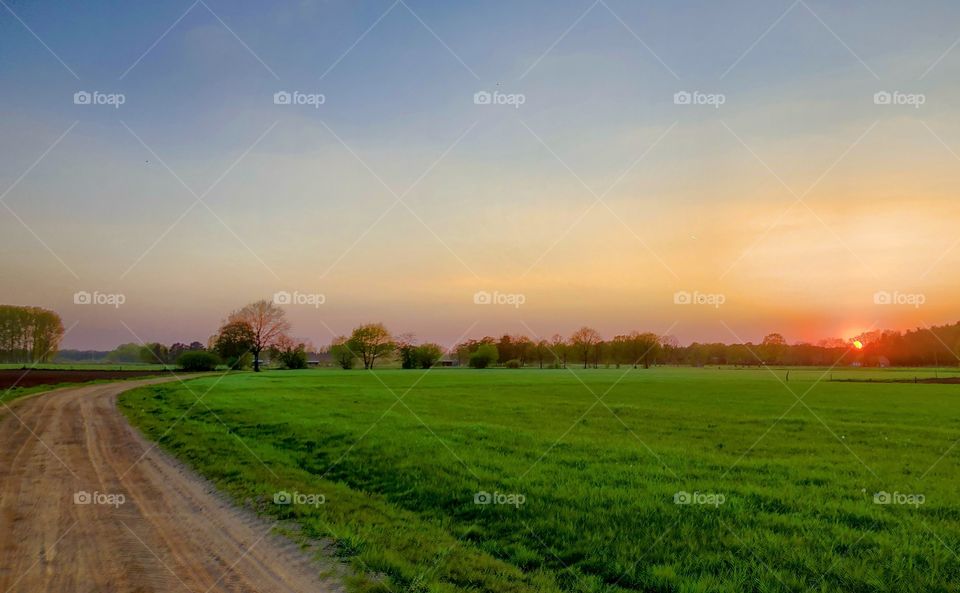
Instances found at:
x=583 y=341
x=268 y=323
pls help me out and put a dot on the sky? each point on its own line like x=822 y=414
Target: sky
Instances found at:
x=808 y=186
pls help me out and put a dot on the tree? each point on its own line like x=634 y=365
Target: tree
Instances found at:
x=540 y=350
x=290 y=354
x=584 y=341
x=427 y=355
x=522 y=348
x=154 y=353
x=406 y=345
x=559 y=347
x=29 y=334
x=484 y=356
x=126 y=353
x=342 y=354
x=268 y=323
x=643 y=348
x=233 y=342
x=370 y=342
x=772 y=347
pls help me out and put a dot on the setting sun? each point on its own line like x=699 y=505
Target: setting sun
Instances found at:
x=858 y=344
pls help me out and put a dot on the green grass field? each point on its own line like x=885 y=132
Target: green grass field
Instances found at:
x=789 y=487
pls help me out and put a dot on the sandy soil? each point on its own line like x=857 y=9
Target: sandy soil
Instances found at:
x=67 y=458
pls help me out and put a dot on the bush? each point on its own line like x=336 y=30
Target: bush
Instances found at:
x=429 y=355
x=198 y=360
x=484 y=356
x=513 y=364
x=293 y=357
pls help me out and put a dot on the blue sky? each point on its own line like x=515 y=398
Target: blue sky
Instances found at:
x=506 y=200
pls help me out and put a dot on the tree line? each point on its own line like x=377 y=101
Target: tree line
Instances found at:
x=260 y=330
x=29 y=334
x=261 y=327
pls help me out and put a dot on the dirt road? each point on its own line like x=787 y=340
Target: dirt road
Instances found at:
x=88 y=506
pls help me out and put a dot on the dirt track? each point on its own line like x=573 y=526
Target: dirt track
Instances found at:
x=172 y=532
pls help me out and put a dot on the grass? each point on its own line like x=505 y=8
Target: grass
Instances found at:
x=598 y=478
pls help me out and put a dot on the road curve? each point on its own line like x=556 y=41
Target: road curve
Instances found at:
x=68 y=456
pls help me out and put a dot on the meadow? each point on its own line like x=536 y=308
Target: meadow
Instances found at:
x=664 y=479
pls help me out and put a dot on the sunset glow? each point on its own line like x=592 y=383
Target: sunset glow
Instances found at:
x=698 y=197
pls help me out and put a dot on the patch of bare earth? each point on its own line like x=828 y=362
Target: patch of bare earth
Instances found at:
x=67 y=458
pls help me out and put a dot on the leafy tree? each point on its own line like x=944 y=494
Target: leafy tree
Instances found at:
x=342 y=354
x=154 y=353
x=29 y=334
x=643 y=348
x=268 y=323
x=125 y=353
x=234 y=342
x=370 y=342
x=484 y=356
x=427 y=355
x=772 y=347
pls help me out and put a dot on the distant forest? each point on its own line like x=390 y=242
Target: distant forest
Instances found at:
x=28 y=334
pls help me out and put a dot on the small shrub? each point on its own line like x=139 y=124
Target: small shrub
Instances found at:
x=198 y=360
x=513 y=364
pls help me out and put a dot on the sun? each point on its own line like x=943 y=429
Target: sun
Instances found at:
x=858 y=344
